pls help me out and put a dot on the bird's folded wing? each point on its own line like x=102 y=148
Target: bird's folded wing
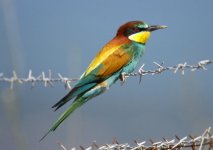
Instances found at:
x=113 y=63
x=108 y=67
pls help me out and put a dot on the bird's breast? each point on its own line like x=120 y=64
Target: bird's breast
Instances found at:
x=136 y=51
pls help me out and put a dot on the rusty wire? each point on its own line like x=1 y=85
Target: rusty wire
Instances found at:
x=48 y=80
x=200 y=142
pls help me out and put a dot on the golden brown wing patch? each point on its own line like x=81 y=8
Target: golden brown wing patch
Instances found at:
x=114 y=63
x=106 y=51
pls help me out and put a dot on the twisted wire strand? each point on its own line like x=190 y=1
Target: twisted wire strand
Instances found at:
x=203 y=141
x=48 y=80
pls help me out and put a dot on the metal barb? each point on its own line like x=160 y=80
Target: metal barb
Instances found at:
x=62 y=146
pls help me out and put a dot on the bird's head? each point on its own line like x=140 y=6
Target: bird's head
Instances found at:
x=138 y=31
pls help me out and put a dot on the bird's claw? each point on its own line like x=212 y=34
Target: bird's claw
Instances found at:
x=122 y=78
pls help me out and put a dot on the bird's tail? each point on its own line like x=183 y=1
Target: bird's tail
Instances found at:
x=80 y=100
x=77 y=103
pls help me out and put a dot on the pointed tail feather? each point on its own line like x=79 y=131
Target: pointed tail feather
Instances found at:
x=73 y=93
x=64 y=100
x=77 y=103
x=80 y=100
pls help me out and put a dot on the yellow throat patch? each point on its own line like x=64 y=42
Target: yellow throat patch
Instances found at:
x=140 y=37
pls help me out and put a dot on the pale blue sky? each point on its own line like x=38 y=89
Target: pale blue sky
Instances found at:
x=65 y=35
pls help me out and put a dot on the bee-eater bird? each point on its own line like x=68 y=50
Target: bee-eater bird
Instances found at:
x=120 y=55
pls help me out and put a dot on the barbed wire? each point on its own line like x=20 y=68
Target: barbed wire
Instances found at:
x=48 y=80
x=204 y=140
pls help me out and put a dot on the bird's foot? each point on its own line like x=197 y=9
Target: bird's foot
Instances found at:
x=122 y=78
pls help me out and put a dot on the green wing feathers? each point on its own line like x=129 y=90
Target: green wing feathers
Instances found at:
x=73 y=93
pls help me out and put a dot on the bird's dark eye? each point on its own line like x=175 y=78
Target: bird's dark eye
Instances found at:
x=136 y=29
x=133 y=30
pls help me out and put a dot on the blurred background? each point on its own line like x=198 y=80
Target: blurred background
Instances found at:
x=65 y=35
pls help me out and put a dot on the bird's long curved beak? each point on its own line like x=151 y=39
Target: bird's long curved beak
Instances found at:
x=156 y=27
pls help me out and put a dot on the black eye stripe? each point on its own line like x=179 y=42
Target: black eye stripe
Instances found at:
x=137 y=29
x=134 y=30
